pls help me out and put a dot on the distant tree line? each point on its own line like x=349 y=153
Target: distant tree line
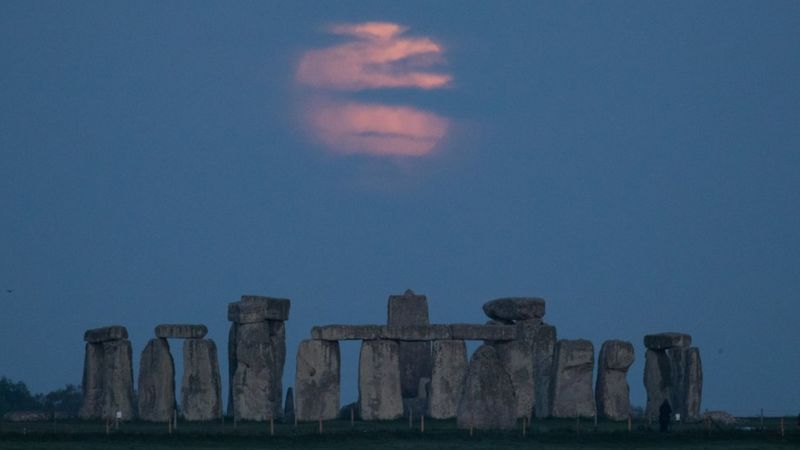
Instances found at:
x=15 y=396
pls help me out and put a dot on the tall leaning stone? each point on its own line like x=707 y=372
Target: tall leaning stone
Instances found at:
x=487 y=400
x=92 y=406
x=118 y=380
x=201 y=390
x=572 y=393
x=156 y=382
x=447 y=378
x=415 y=357
x=379 y=394
x=612 y=392
x=517 y=359
x=317 y=380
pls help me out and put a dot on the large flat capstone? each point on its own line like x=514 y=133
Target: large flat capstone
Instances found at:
x=663 y=341
x=104 y=334
x=252 y=309
x=317 y=380
x=182 y=331
x=515 y=308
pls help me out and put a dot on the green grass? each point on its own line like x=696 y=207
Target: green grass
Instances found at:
x=546 y=434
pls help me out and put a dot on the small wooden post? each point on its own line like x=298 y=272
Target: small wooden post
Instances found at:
x=595 y=420
x=320 y=425
x=422 y=423
x=169 y=426
x=108 y=426
x=352 y=416
x=762 y=418
x=175 y=418
x=271 y=426
x=295 y=419
x=629 y=423
x=410 y=418
x=235 y=420
x=524 y=425
x=578 y=425
x=783 y=430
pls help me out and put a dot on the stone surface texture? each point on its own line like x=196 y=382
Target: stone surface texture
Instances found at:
x=447 y=378
x=346 y=332
x=674 y=374
x=201 y=388
x=156 y=382
x=118 y=380
x=487 y=400
x=111 y=333
x=92 y=405
x=181 y=331
x=572 y=393
x=517 y=359
x=254 y=309
x=612 y=392
x=663 y=341
x=258 y=360
x=317 y=380
x=515 y=308
x=543 y=338
x=411 y=310
x=379 y=393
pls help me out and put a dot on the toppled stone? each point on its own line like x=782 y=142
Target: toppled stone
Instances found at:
x=663 y=341
x=487 y=401
x=346 y=332
x=379 y=394
x=92 y=405
x=464 y=331
x=572 y=393
x=447 y=378
x=201 y=389
x=156 y=382
x=259 y=357
x=117 y=380
x=515 y=308
x=181 y=331
x=517 y=359
x=317 y=380
x=100 y=335
x=253 y=309
x=612 y=392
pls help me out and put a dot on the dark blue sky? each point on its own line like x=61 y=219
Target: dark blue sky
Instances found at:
x=635 y=163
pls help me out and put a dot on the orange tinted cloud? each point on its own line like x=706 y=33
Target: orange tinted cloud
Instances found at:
x=377 y=129
x=377 y=56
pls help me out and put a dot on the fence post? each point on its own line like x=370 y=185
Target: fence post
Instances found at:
x=422 y=423
x=410 y=418
x=783 y=430
x=271 y=426
x=352 y=416
x=629 y=423
x=320 y=424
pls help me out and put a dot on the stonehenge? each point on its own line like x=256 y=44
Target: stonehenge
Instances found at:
x=407 y=367
x=674 y=372
x=107 y=375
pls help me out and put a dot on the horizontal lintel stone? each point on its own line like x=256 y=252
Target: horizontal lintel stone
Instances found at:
x=181 y=331
x=111 y=333
x=433 y=332
x=663 y=341
x=252 y=309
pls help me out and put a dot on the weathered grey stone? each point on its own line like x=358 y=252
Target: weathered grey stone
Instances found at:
x=721 y=419
x=260 y=353
x=183 y=331
x=663 y=341
x=675 y=374
x=470 y=332
x=657 y=380
x=544 y=347
x=346 y=332
x=253 y=309
x=612 y=392
x=232 y=364
x=517 y=359
x=111 y=333
x=447 y=378
x=515 y=308
x=117 y=380
x=288 y=406
x=92 y=406
x=156 y=382
x=415 y=333
x=317 y=380
x=379 y=394
x=408 y=315
x=201 y=389
x=573 y=364
x=26 y=416
x=487 y=401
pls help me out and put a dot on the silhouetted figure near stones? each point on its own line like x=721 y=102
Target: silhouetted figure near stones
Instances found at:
x=664 y=416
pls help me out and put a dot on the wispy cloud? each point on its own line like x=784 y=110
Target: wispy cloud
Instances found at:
x=378 y=55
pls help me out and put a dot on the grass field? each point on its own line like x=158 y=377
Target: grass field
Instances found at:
x=546 y=434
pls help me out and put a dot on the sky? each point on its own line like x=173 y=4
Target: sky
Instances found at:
x=635 y=163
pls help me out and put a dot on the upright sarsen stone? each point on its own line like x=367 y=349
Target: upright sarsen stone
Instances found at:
x=544 y=347
x=156 y=382
x=674 y=372
x=379 y=394
x=201 y=390
x=487 y=400
x=517 y=359
x=572 y=393
x=612 y=392
x=317 y=380
x=92 y=405
x=447 y=378
x=117 y=380
x=415 y=357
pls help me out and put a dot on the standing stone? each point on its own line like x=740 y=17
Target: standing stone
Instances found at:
x=117 y=380
x=260 y=356
x=92 y=406
x=517 y=359
x=232 y=364
x=415 y=357
x=487 y=401
x=657 y=380
x=379 y=394
x=544 y=347
x=288 y=406
x=201 y=390
x=673 y=371
x=572 y=394
x=447 y=378
x=156 y=382
x=317 y=380
x=612 y=391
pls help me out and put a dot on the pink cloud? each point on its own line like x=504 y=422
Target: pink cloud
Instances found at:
x=377 y=56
